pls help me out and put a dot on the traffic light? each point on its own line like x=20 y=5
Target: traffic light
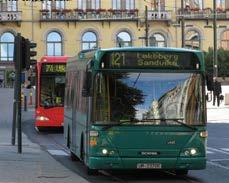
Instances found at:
x=28 y=54
x=23 y=55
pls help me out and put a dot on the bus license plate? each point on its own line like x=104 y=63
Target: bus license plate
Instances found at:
x=149 y=165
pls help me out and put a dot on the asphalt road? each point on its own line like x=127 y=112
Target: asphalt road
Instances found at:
x=217 y=164
x=217 y=170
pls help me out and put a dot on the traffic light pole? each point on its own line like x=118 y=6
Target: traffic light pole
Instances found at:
x=17 y=93
x=22 y=60
x=18 y=96
x=14 y=115
x=17 y=76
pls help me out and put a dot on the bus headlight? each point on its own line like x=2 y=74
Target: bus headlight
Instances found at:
x=189 y=152
x=105 y=151
x=41 y=118
x=193 y=151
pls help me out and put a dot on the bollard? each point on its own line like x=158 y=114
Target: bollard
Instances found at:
x=25 y=103
x=30 y=98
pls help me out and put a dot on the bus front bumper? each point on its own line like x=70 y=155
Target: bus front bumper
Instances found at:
x=191 y=163
x=48 y=123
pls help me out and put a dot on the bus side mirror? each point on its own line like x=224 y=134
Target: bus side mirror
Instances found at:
x=209 y=82
x=86 y=91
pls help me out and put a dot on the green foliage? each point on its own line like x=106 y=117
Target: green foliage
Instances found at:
x=223 y=62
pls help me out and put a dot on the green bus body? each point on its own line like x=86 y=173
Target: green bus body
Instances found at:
x=137 y=143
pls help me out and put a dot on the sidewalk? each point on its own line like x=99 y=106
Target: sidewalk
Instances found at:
x=32 y=166
x=219 y=114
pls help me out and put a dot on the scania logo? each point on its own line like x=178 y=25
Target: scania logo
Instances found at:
x=171 y=142
x=149 y=153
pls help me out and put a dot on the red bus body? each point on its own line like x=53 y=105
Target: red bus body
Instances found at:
x=48 y=116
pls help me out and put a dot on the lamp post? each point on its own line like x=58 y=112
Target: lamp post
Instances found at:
x=215 y=59
x=182 y=24
x=146 y=27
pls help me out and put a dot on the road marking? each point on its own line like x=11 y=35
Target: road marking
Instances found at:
x=212 y=160
x=217 y=165
x=225 y=149
x=210 y=152
x=217 y=150
x=57 y=152
x=218 y=121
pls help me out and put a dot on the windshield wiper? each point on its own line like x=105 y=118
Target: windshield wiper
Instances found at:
x=177 y=120
x=161 y=119
x=48 y=106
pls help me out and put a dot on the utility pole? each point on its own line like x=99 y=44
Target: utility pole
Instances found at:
x=182 y=24
x=215 y=59
x=147 y=27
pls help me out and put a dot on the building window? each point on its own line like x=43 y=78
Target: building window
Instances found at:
x=50 y=5
x=123 y=4
x=89 y=4
x=6 y=5
x=89 y=41
x=7 y=46
x=192 y=40
x=222 y=4
x=193 y=4
x=157 y=40
x=54 y=44
x=158 y=4
x=225 y=40
x=123 y=40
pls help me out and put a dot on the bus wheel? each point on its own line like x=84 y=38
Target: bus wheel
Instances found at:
x=181 y=172
x=92 y=171
x=68 y=139
x=38 y=129
x=74 y=157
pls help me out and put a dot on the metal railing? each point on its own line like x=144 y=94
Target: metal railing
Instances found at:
x=159 y=15
x=203 y=14
x=88 y=14
x=9 y=16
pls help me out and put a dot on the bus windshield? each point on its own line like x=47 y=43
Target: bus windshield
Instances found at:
x=149 y=98
x=52 y=90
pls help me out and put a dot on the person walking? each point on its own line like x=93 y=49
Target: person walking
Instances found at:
x=217 y=90
x=1 y=83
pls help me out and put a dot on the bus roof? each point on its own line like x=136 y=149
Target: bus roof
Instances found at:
x=84 y=56
x=150 y=49
x=53 y=59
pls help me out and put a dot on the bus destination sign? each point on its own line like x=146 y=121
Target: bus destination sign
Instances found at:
x=53 y=68
x=150 y=60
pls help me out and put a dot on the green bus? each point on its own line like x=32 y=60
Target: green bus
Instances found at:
x=136 y=108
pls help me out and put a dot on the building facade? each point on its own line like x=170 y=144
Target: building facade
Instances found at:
x=66 y=27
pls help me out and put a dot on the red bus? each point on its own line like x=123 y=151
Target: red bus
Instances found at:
x=50 y=88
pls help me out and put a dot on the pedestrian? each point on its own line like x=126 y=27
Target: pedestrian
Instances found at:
x=1 y=83
x=217 y=90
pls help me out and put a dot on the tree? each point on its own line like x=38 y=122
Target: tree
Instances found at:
x=223 y=62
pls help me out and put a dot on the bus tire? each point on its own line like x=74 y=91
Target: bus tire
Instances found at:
x=92 y=171
x=38 y=129
x=82 y=153
x=181 y=172
x=68 y=138
x=74 y=157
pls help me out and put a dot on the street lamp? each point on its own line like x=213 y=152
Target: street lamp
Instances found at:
x=215 y=59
